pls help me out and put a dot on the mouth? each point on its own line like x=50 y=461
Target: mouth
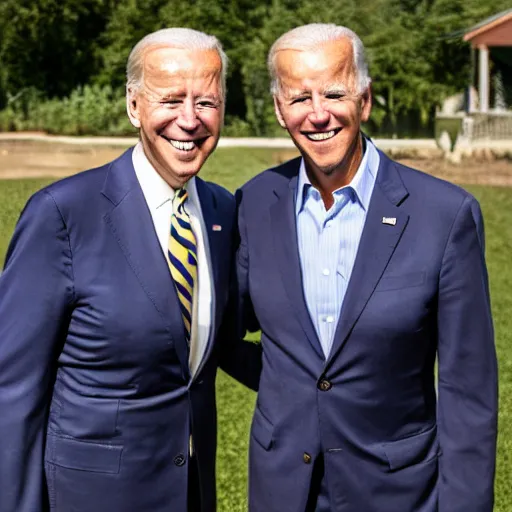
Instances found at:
x=185 y=145
x=321 y=136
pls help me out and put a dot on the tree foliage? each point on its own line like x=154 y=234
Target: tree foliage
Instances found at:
x=415 y=49
x=49 y=44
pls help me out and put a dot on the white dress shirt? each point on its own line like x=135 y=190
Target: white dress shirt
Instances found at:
x=159 y=196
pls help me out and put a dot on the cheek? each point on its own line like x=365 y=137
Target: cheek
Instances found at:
x=211 y=120
x=345 y=112
x=158 y=119
x=294 y=119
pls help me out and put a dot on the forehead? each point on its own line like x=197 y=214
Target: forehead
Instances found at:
x=163 y=64
x=331 y=61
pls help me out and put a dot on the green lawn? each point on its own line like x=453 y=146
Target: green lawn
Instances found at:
x=231 y=168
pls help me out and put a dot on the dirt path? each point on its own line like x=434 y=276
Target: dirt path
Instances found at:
x=23 y=159
x=497 y=172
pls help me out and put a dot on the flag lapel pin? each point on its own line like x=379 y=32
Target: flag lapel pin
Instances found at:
x=389 y=220
x=216 y=227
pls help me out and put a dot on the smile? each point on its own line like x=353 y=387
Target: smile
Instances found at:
x=319 y=136
x=182 y=145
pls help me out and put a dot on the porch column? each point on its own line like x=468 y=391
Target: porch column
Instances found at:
x=483 y=76
x=471 y=96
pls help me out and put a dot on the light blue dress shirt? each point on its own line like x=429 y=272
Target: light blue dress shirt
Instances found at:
x=328 y=242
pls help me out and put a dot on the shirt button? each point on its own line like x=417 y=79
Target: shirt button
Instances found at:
x=325 y=272
x=307 y=458
x=329 y=319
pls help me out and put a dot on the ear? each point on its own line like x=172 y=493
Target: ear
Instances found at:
x=366 y=104
x=132 y=107
x=279 y=116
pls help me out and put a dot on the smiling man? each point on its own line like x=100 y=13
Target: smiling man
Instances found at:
x=178 y=107
x=359 y=272
x=114 y=288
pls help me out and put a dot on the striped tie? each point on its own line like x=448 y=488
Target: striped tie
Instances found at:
x=182 y=254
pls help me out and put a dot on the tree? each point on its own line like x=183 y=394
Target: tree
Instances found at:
x=49 y=45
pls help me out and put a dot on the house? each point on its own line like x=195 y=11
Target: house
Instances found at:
x=484 y=118
x=492 y=39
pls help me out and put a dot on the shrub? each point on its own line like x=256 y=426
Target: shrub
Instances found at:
x=89 y=110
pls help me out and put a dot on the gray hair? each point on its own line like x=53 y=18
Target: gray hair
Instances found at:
x=308 y=37
x=182 y=38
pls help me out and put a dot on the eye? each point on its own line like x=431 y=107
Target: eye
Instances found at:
x=335 y=96
x=207 y=104
x=300 y=99
x=171 y=103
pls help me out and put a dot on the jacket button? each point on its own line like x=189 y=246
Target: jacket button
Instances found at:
x=307 y=458
x=324 y=385
x=179 y=460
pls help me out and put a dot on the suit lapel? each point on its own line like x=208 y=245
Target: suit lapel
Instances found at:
x=284 y=231
x=377 y=244
x=131 y=224
x=211 y=216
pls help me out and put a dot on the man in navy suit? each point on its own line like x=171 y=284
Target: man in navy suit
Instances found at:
x=107 y=377
x=359 y=272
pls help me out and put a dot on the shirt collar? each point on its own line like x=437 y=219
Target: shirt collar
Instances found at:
x=362 y=183
x=155 y=189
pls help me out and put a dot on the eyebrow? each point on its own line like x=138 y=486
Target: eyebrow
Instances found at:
x=212 y=97
x=179 y=94
x=294 y=93
x=330 y=89
x=335 y=89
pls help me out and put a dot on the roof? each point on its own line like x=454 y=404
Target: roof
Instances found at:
x=487 y=24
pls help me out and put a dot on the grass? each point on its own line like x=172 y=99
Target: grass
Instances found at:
x=231 y=168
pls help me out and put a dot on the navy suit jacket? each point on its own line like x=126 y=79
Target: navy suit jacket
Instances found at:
x=96 y=398
x=418 y=289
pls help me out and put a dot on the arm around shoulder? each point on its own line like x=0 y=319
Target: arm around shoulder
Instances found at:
x=240 y=358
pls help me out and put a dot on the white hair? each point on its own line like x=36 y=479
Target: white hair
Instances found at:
x=182 y=38
x=309 y=37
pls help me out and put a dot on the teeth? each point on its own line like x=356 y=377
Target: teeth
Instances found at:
x=321 y=136
x=184 y=146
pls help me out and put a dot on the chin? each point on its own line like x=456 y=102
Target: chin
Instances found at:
x=326 y=168
x=188 y=173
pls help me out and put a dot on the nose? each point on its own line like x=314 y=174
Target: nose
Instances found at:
x=187 y=119
x=319 y=115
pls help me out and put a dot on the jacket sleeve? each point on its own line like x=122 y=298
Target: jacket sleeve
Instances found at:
x=36 y=290
x=468 y=383
x=240 y=358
